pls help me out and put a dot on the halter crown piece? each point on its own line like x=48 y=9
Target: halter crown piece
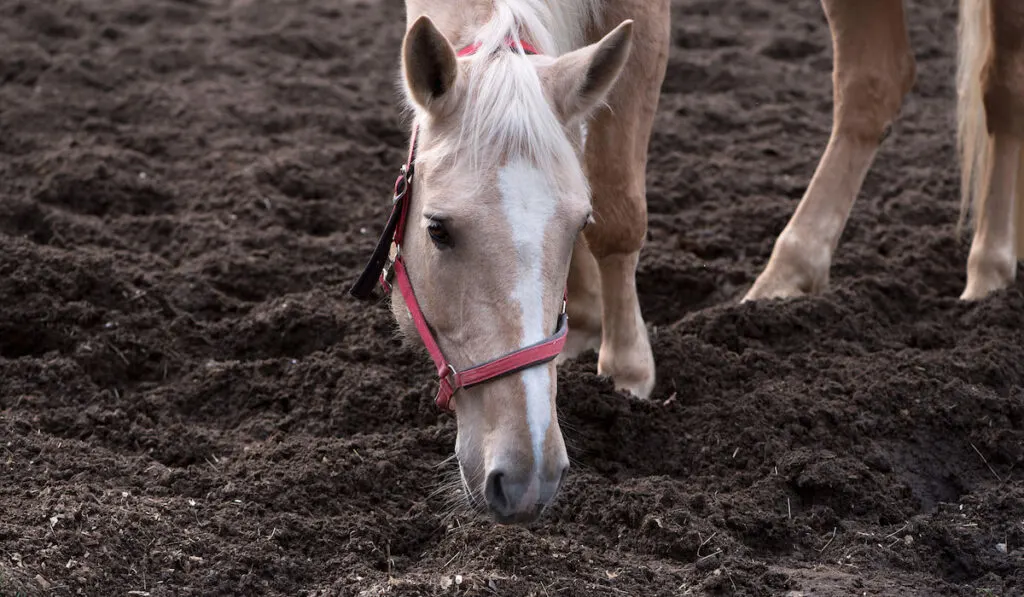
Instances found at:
x=387 y=262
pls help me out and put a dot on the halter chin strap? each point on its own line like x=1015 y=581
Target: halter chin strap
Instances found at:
x=387 y=262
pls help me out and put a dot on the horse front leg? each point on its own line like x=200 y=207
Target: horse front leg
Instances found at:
x=584 y=306
x=616 y=163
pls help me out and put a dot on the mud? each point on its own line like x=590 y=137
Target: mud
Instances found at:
x=190 y=404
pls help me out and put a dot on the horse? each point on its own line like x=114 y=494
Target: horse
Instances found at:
x=521 y=206
x=873 y=70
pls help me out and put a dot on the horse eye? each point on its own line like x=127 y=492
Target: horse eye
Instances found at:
x=439 y=234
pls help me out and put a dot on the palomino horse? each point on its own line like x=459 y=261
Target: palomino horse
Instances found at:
x=523 y=133
x=873 y=69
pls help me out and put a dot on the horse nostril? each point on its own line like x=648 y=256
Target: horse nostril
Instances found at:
x=494 y=493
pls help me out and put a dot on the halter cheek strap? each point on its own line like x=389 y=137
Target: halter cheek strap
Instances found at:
x=451 y=379
x=386 y=261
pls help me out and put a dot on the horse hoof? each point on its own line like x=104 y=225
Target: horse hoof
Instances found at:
x=637 y=380
x=772 y=290
x=638 y=389
x=986 y=275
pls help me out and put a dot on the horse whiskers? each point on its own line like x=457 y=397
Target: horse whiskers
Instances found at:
x=570 y=435
x=449 y=484
x=459 y=503
x=447 y=461
x=570 y=440
x=454 y=508
x=453 y=491
x=565 y=425
x=444 y=489
x=454 y=502
x=470 y=521
x=562 y=423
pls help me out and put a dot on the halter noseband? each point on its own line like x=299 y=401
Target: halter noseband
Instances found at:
x=387 y=262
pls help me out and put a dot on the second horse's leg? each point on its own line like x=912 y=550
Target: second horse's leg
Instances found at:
x=991 y=133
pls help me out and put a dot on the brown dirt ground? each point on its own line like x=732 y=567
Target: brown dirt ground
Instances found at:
x=190 y=404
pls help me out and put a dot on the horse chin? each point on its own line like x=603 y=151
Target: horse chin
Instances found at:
x=521 y=519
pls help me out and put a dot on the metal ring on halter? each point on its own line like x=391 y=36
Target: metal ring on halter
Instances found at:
x=454 y=376
x=402 y=185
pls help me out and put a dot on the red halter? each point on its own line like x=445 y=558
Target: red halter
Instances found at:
x=511 y=43
x=387 y=260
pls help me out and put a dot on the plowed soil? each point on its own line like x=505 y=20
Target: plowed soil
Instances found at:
x=190 y=403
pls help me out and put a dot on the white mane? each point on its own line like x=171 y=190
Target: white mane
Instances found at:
x=505 y=109
x=553 y=26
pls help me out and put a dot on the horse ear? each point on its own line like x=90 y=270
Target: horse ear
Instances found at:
x=580 y=80
x=428 y=63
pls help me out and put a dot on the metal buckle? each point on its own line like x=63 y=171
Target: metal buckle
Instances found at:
x=401 y=188
x=402 y=184
x=389 y=268
x=447 y=380
x=452 y=373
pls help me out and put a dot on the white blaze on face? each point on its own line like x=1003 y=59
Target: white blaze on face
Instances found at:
x=529 y=204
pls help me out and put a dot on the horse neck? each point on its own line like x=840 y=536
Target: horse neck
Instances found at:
x=458 y=21
x=561 y=24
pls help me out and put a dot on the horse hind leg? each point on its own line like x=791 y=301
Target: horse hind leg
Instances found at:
x=873 y=69
x=990 y=89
